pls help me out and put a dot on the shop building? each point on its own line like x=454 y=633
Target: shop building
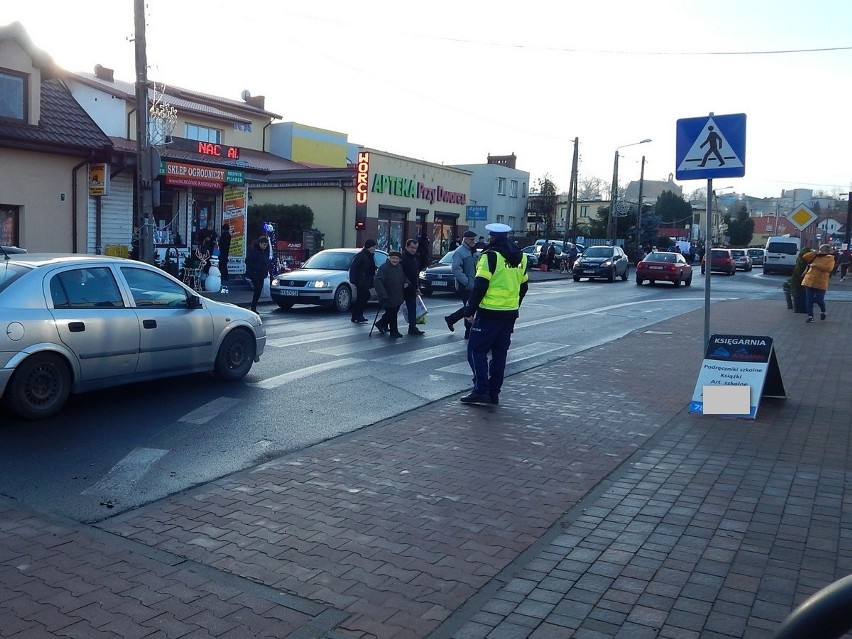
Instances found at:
x=47 y=143
x=207 y=150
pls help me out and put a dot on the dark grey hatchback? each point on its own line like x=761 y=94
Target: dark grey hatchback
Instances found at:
x=601 y=262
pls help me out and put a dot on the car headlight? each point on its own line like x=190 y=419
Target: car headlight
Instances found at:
x=319 y=284
x=607 y=263
x=274 y=281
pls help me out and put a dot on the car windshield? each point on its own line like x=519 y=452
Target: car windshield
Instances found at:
x=738 y=252
x=447 y=259
x=598 y=251
x=719 y=253
x=330 y=261
x=9 y=272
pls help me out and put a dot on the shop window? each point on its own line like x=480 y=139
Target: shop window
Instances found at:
x=13 y=96
x=9 y=225
x=390 y=233
x=203 y=133
x=444 y=233
x=501 y=186
x=513 y=188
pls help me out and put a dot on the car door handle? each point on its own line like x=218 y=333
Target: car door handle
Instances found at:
x=76 y=327
x=149 y=323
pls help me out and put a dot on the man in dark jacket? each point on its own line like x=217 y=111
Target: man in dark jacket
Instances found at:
x=411 y=269
x=257 y=267
x=361 y=273
x=224 y=250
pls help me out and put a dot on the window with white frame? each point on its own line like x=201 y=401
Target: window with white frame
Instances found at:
x=500 y=219
x=513 y=188
x=584 y=210
x=13 y=96
x=203 y=133
x=511 y=221
x=501 y=186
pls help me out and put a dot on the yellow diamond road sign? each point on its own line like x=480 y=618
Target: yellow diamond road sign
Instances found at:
x=801 y=217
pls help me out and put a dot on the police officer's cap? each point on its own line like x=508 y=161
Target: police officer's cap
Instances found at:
x=498 y=229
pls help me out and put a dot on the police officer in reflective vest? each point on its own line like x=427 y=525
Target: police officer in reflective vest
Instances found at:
x=499 y=288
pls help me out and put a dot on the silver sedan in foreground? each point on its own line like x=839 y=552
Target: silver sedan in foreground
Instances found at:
x=74 y=323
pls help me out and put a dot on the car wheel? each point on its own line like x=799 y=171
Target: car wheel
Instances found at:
x=285 y=306
x=676 y=282
x=576 y=278
x=639 y=280
x=626 y=273
x=235 y=356
x=342 y=298
x=611 y=276
x=652 y=282
x=39 y=387
x=688 y=280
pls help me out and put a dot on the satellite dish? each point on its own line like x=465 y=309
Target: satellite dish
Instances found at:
x=245 y=95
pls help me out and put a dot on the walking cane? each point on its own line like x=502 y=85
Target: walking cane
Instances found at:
x=374 y=321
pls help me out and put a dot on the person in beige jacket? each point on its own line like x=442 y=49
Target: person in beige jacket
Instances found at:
x=815 y=281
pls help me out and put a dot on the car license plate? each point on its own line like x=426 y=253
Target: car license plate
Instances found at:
x=656 y=268
x=440 y=283
x=286 y=292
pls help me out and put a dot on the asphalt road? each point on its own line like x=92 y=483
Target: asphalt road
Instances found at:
x=321 y=375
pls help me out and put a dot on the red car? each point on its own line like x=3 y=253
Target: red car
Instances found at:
x=721 y=261
x=664 y=266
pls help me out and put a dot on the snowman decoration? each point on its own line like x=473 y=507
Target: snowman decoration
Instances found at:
x=213 y=283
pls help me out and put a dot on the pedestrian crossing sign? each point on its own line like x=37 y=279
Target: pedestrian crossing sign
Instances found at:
x=710 y=147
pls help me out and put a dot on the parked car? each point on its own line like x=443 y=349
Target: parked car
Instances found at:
x=741 y=259
x=531 y=252
x=323 y=280
x=665 y=267
x=782 y=251
x=757 y=255
x=74 y=323
x=721 y=261
x=601 y=262
x=439 y=276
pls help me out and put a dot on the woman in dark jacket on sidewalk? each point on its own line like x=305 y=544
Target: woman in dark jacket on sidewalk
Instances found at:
x=257 y=267
x=361 y=273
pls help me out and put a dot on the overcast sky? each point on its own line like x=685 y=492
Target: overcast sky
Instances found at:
x=451 y=81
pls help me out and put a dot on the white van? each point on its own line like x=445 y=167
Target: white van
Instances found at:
x=781 y=253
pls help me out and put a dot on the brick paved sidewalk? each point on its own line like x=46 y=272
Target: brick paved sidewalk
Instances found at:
x=608 y=511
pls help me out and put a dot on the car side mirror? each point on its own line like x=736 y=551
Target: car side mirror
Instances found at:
x=194 y=301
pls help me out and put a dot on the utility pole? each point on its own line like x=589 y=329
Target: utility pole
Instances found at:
x=144 y=198
x=849 y=221
x=572 y=189
x=572 y=204
x=639 y=211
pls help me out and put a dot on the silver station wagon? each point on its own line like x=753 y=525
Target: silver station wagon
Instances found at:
x=74 y=323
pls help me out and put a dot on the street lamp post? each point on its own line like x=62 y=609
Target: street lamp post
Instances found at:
x=614 y=192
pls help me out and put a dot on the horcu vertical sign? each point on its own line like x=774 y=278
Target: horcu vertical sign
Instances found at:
x=362 y=182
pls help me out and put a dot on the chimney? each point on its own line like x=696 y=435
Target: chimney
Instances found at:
x=102 y=73
x=256 y=101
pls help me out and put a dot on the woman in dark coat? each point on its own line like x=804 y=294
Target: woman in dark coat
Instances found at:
x=361 y=273
x=389 y=283
x=257 y=267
